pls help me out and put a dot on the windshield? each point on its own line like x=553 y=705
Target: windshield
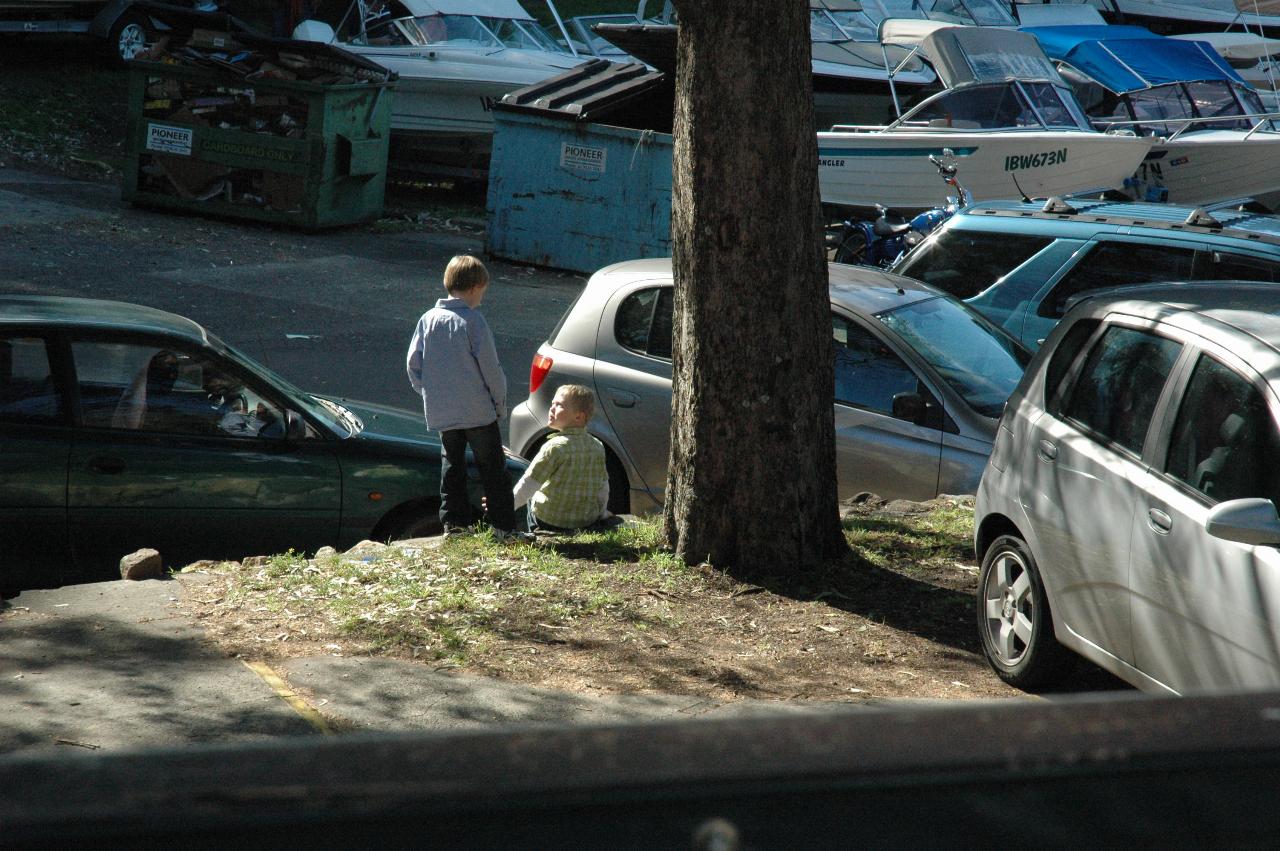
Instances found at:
x=583 y=30
x=320 y=409
x=975 y=107
x=524 y=35
x=968 y=12
x=841 y=26
x=979 y=362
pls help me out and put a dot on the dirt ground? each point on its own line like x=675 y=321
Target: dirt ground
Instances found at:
x=855 y=633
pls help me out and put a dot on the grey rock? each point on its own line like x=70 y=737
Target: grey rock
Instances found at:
x=143 y=564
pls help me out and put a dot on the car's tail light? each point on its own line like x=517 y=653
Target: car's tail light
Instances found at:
x=538 y=371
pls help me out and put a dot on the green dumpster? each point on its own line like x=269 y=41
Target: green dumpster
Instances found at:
x=302 y=153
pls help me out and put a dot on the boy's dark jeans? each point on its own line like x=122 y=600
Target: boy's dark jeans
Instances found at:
x=456 y=510
x=601 y=525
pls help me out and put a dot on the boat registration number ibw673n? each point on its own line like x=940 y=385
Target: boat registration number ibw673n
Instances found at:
x=1018 y=162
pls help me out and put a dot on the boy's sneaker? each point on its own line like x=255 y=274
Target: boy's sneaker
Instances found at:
x=456 y=531
x=513 y=536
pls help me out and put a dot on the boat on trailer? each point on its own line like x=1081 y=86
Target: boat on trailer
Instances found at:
x=849 y=82
x=1010 y=120
x=455 y=59
x=1214 y=139
x=1172 y=17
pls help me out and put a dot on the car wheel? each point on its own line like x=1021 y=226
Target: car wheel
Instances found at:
x=130 y=35
x=423 y=524
x=1014 y=620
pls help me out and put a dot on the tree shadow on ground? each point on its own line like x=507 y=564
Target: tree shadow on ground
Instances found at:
x=105 y=685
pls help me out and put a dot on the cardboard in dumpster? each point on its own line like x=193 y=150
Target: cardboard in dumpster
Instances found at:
x=224 y=115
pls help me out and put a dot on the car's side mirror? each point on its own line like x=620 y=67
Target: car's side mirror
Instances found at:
x=1245 y=521
x=295 y=427
x=910 y=407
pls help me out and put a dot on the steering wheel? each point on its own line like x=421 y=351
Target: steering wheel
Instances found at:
x=226 y=402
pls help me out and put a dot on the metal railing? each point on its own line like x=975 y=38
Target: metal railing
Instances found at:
x=1262 y=118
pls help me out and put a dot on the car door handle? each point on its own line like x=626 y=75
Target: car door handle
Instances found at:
x=1047 y=451
x=107 y=464
x=1162 y=523
x=622 y=398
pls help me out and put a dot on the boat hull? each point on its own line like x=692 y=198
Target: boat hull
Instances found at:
x=442 y=110
x=1210 y=166
x=892 y=168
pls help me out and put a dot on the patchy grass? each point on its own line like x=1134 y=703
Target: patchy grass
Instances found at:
x=63 y=109
x=614 y=612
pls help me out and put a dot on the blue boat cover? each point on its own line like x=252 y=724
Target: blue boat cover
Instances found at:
x=1126 y=58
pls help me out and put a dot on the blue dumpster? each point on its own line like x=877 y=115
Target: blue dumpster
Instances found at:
x=574 y=193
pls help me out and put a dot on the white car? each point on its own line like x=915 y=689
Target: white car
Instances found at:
x=1128 y=511
x=920 y=381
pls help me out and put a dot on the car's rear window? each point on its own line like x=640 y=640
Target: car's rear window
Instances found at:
x=966 y=262
x=643 y=322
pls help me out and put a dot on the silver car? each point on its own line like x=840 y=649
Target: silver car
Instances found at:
x=1128 y=512
x=920 y=382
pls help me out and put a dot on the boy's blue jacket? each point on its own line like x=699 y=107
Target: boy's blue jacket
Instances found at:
x=453 y=364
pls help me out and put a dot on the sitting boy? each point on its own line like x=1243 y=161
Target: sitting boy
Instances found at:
x=566 y=486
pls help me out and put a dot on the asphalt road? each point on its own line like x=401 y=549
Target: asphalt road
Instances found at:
x=331 y=312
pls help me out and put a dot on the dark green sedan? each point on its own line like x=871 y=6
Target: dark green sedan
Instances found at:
x=124 y=427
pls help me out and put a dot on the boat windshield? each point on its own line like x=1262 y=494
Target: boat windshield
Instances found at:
x=457 y=31
x=979 y=362
x=841 y=26
x=996 y=106
x=1158 y=109
x=584 y=34
x=524 y=35
x=968 y=12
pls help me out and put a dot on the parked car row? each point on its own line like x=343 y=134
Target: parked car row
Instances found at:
x=1127 y=511
x=1128 y=474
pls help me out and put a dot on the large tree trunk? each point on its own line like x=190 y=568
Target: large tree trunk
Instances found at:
x=751 y=481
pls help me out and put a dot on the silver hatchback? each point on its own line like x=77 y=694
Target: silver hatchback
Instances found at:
x=1128 y=512
x=921 y=380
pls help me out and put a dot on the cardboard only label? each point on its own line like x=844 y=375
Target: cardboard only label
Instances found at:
x=169 y=139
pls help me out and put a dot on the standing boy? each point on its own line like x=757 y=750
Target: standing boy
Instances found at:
x=567 y=485
x=452 y=362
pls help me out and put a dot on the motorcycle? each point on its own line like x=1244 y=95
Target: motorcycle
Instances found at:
x=882 y=241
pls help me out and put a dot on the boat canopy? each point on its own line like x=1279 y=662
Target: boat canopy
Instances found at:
x=836 y=5
x=1235 y=45
x=964 y=55
x=908 y=32
x=1127 y=59
x=482 y=8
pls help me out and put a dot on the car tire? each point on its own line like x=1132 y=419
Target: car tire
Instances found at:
x=619 y=487
x=420 y=524
x=1015 y=623
x=130 y=35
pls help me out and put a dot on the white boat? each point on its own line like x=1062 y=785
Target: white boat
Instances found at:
x=1214 y=139
x=455 y=59
x=1250 y=55
x=1011 y=121
x=849 y=79
x=1170 y=17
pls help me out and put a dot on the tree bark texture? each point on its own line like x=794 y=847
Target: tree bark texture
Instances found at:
x=752 y=477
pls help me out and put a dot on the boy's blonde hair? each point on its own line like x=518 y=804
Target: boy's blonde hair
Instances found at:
x=465 y=273
x=578 y=398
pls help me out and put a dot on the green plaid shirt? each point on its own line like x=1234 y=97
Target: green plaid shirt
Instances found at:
x=570 y=466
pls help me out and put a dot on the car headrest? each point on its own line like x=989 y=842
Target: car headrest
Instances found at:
x=1232 y=429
